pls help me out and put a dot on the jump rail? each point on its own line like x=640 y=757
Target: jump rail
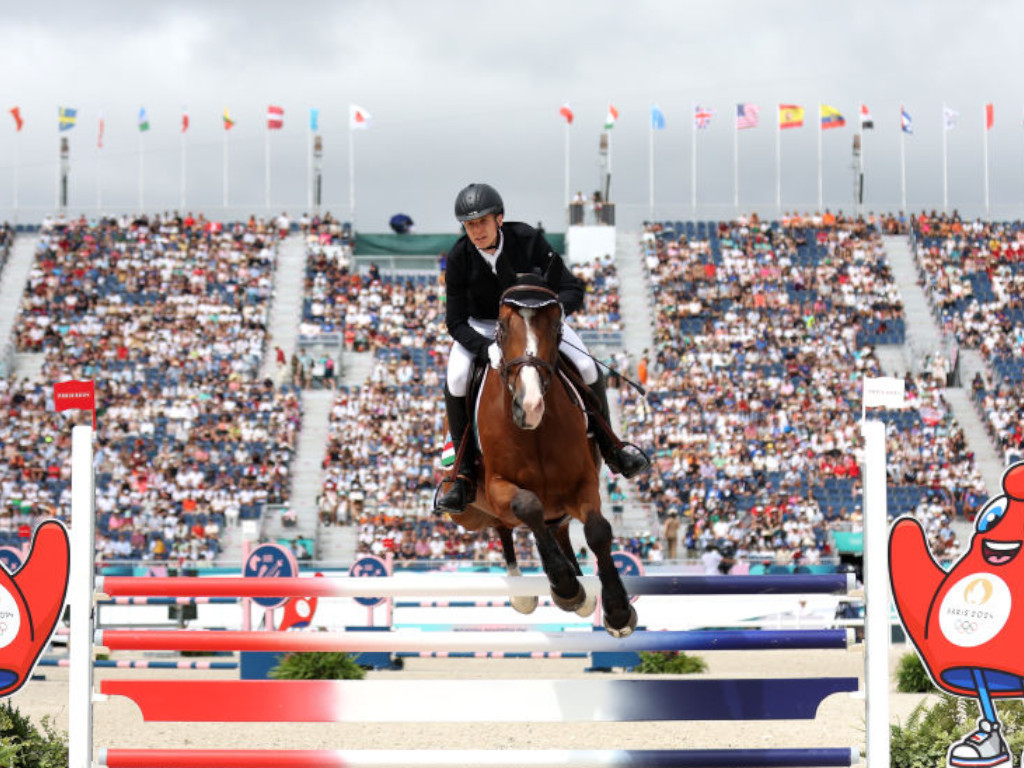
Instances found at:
x=507 y=642
x=445 y=585
x=512 y=758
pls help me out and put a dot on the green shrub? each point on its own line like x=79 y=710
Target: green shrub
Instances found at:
x=669 y=663
x=929 y=732
x=330 y=665
x=911 y=676
x=22 y=745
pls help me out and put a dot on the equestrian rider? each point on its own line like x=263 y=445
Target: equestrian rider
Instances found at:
x=473 y=290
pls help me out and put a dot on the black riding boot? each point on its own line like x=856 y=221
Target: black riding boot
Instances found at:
x=624 y=458
x=460 y=490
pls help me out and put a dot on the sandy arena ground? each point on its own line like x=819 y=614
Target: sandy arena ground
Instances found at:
x=840 y=721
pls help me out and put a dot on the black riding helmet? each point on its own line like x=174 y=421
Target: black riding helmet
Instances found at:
x=476 y=201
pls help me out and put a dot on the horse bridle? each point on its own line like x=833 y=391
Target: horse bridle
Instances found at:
x=531 y=297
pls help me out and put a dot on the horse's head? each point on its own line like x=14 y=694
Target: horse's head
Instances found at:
x=529 y=331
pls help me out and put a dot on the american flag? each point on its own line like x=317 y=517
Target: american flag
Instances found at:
x=747 y=116
x=702 y=117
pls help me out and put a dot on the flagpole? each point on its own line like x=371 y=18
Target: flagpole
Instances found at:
x=99 y=176
x=17 y=153
x=309 y=164
x=181 y=196
x=821 y=130
x=778 y=162
x=566 y=168
x=266 y=169
x=650 y=170
x=985 y=124
x=351 y=179
x=945 y=161
x=608 y=179
x=736 y=163
x=693 y=162
x=142 y=199
x=903 y=170
x=225 y=182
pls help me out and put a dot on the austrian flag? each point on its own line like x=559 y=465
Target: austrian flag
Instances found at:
x=275 y=118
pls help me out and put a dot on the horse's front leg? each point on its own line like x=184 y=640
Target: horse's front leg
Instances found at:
x=619 y=616
x=522 y=603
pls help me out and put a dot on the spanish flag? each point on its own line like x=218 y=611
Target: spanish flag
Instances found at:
x=831 y=118
x=791 y=116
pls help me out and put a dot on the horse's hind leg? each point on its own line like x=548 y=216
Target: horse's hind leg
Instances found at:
x=522 y=603
x=619 y=615
x=565 y=542
x=566 y=590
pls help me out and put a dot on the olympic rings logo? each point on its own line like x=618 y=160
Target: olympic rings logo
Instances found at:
x=966 y=627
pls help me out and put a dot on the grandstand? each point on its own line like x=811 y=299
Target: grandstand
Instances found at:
x=246 y=374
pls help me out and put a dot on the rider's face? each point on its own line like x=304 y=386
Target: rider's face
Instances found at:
x=483 y=232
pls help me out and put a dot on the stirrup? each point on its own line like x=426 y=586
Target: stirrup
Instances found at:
x=459 y=490
x=627 y=460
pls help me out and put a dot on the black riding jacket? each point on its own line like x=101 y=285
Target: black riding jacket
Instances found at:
x=474 y=290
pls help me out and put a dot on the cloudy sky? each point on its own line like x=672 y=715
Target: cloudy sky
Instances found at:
x=462 y=91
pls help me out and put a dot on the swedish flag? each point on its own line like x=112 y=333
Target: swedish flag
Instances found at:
x=66 y=118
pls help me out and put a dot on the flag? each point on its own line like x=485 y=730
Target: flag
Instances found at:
x=791 y=116
x=99 y=135
x=275 y=118
x=228 y=122
x=613 y=115
x=990 y=117
x=358 y=118
x=906 y=123
x=75 y=395
x=448 y=454
x=831 y=118
x=949 y=118
x=566 y=111
x=66 y=118
x=143 y=119
x=18 y=122
x=866 y=123
x=747 y=116
x=314 y=119
x=702 y=117
x=184 y=119
x=657 y=118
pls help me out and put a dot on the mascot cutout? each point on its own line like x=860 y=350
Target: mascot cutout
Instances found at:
x=963 y=622
x=31 y=604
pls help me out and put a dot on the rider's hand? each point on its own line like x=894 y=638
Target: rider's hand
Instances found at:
x=494 y=355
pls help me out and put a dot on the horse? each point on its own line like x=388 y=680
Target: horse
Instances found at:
x=540 y=467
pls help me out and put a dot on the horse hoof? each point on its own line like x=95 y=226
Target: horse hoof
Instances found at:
x=588 y=607
x=624 y=631
x=524 y=603
x=570 y=604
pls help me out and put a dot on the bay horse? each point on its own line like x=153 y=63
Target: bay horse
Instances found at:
x=540 y=468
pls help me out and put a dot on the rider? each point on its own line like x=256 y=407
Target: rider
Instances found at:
x=473 y=288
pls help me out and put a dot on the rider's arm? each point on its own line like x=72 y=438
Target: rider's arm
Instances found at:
x=456 y=278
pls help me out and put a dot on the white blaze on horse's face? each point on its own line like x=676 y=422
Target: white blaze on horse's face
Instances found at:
x=533 y=392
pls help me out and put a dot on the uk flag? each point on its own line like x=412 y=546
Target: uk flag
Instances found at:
x=702 y=117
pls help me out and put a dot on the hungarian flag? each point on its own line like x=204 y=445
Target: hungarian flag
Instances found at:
x=16 y=114
x=613 y=116
x=448 y=454
x=184 y=119
x=75 y=395
x=228 y=122
x=275 y=118
x=358 y=118
x=566 y=112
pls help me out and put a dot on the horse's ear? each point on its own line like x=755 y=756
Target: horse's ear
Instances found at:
x=553 y=276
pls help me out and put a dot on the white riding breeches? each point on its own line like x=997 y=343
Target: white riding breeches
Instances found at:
x=460 y=359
